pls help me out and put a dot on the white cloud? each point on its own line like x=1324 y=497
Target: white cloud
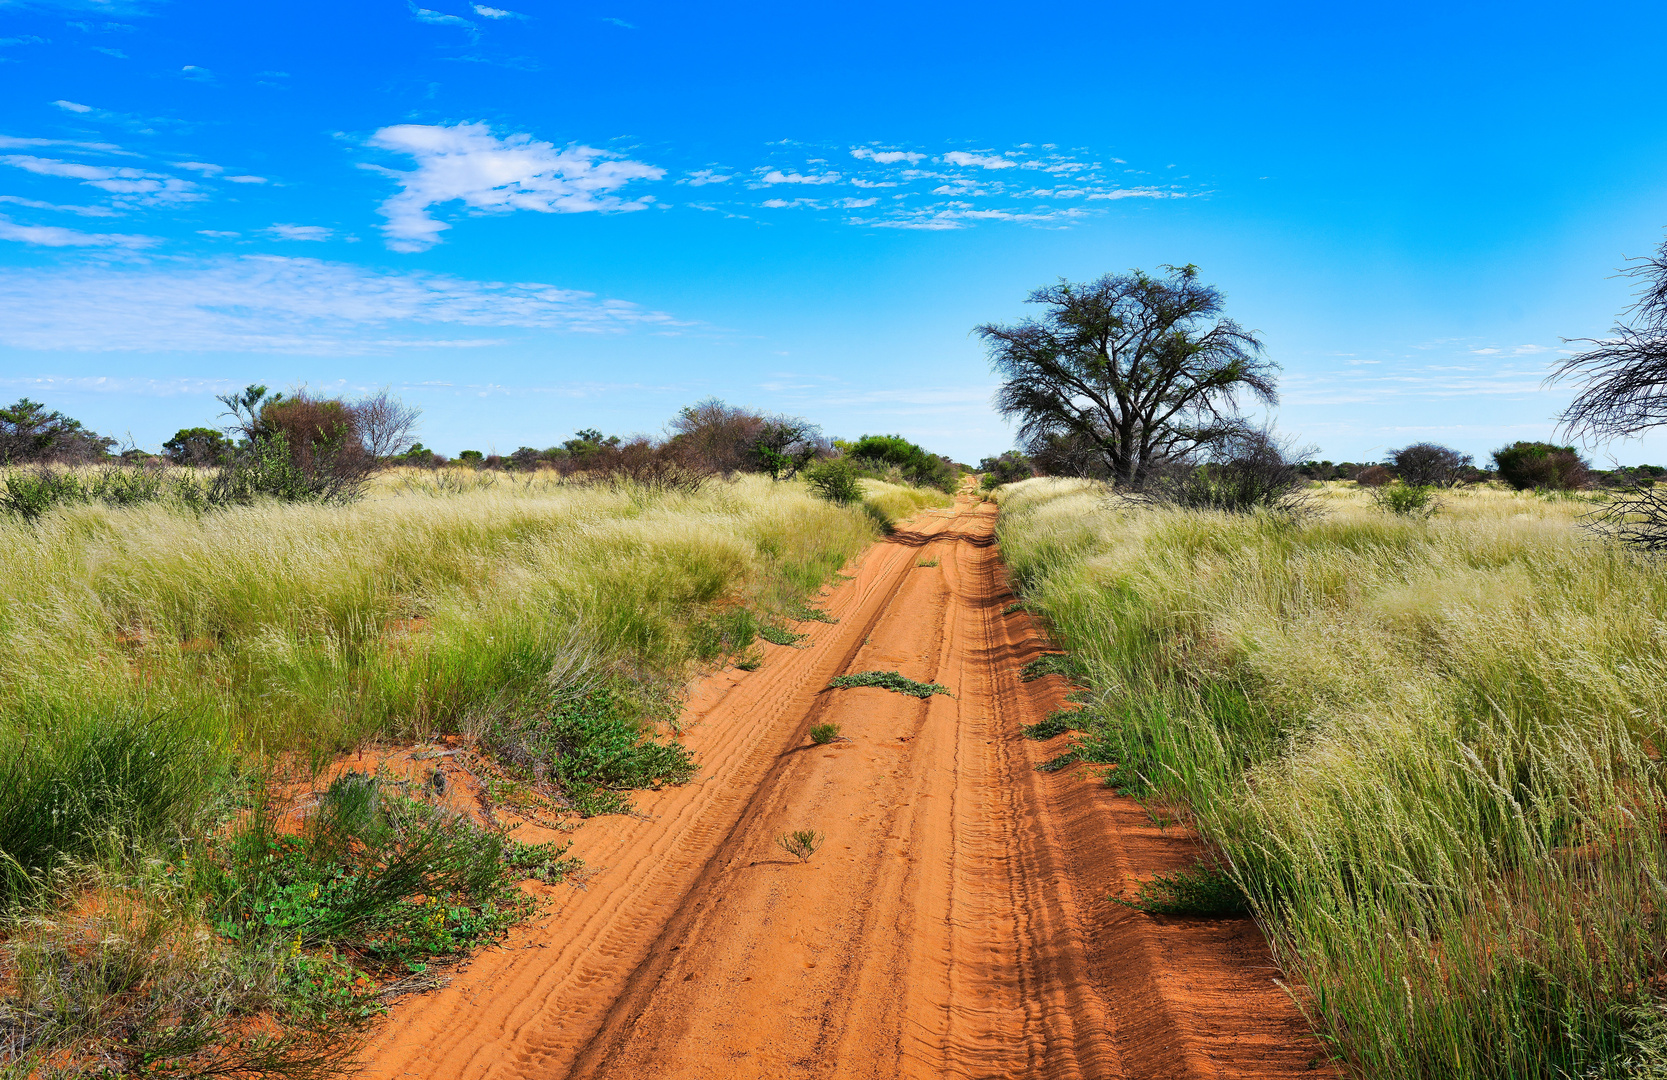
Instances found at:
x=37 y=204
x=282 y=305
x=778 y=204
x=1137 y=193
x=219 y=234
x=620 y=23
x=886 y=157
x=701 y=177
x=436 y=18
x=300 y=232
x=11 y=142
x=857 y=204
x=53 y=236
x=246 y=180
x=776 y=176
x=467 y=163
x=200 y=74
x=73 y=106
x=496 y=13
x=983 y=161
x=200 y=166
x=119 y=180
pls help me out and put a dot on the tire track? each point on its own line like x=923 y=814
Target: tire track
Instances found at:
x=952 y=925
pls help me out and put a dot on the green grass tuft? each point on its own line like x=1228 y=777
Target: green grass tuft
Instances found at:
x=822 y=734
x=780 y=635
x=1055 y=723
x=1199 y=890
x=1052 y=664
x=888 y=680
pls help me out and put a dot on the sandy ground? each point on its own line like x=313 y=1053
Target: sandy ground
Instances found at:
x=954 y=923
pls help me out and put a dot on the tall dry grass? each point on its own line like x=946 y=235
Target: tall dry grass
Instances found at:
x=159 y=634
x=1428 y=751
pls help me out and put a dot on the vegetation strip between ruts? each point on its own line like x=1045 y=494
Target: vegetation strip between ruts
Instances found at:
x=888 y=680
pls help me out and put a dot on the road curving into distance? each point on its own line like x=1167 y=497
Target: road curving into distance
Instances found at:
x=954 y=923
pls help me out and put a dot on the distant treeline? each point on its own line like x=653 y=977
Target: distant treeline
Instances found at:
x=303 y=446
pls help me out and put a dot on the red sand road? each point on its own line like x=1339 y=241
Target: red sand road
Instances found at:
x=954 y=923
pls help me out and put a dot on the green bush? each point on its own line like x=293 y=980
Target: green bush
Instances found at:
x=1525 y=465
x=836 y=480
x=1406 y=500
x=822 y=734
x=593 y=746
x=915 y=465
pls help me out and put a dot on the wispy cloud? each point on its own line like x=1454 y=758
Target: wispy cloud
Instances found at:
x=11 y=142
x=135 y=184
x=886 y=157
x=73 y=106
x=496 y=13
x=982 y=161
x=438 y=18
x=40 y=204
x=266 y=304
x=620 y=23
x=776 y=176
x=702 y=177
x=55 y=236
x=300 y=232
x=468 y=164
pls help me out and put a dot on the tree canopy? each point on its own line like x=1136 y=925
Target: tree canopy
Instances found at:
x=1127 y=371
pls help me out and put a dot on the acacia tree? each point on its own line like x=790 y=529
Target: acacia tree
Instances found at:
x=1134 y=369
x=1625 y=375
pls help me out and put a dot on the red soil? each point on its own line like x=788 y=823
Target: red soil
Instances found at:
x=954 y=923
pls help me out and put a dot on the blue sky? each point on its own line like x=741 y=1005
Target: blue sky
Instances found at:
x=543 y=216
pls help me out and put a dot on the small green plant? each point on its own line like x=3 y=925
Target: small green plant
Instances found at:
x=822 y=734
x=926 y=562
x=1057 y=722
x=780 y=635
x=800 y=843
x=1201 y=889
x=888 y=680
x=542 y=862
x=751 y=660
x=1017 y=605
x=803 y=611
x=1407 y=500
x=1052 y=664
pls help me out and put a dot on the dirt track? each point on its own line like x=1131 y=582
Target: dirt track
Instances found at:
x=955 y=922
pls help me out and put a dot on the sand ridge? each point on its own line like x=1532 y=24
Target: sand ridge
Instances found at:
x=954 y=923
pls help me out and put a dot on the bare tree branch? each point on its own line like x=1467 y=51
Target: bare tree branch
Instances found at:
x=1624 y=376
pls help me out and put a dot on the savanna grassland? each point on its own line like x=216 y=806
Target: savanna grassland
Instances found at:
x=1427 y=752
x=166 y=670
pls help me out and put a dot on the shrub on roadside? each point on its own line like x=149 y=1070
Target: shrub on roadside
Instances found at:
x=836 y=480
